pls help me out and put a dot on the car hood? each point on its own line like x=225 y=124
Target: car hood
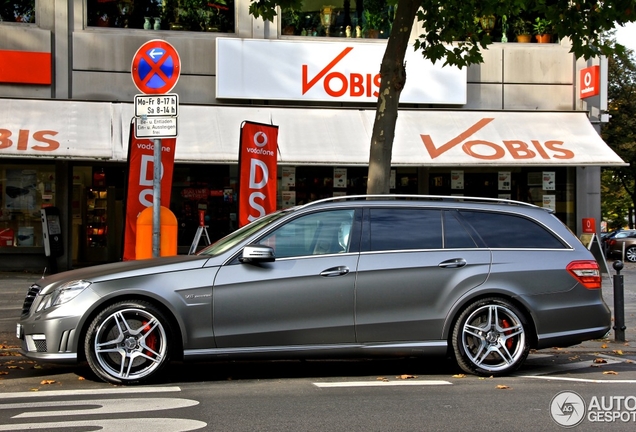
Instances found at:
x=104 y=272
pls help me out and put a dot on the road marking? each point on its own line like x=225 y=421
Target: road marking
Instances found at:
x=127 y=390
x=566 y=367
x=380 y=383
x=585 y=380
x=100 y=406
x=115 y=425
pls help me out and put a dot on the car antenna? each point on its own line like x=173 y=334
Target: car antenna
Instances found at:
x=44 y=273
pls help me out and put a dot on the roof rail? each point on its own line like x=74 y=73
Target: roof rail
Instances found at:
x=407 y=197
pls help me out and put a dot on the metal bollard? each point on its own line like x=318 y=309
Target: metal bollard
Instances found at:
x=619 y=303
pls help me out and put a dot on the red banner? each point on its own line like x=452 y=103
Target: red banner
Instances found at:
x=257 y=171
x=140 y=183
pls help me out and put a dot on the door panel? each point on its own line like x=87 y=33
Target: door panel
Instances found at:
x=286 y=302
x=405 y=296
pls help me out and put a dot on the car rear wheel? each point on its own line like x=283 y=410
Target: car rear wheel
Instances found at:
x=490 y=338
x=128 y=342
x=630 y=254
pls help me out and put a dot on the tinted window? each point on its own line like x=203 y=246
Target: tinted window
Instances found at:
x=510 y=231
x=314 y=234
x=455 y=235
x=397 y=229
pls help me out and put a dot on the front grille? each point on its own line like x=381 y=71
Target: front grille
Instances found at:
x=34 y=290
x=40 y=345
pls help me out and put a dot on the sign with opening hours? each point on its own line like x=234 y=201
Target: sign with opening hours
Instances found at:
x=154 y=106
x=156 y=67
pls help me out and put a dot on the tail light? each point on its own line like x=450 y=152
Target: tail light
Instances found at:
x=587 y=273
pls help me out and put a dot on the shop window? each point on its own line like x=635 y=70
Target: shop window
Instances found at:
x=17 y=11
x=190 y=15
x=24 y=191
x=340 y=18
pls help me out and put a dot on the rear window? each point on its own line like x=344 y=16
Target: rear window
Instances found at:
x=499 y=230
x=402 y=229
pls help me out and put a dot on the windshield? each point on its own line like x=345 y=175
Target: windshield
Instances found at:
x=238 y=236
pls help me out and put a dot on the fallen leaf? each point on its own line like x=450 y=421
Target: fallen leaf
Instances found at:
x=44 y=382
x=459 y=376
x=573 y=358
x=81 y=378
x=626 y=344
x=610 y=373
x=15 y=367
x=604 y=346
x=629 y=361
x=618 y=352
x=37 y=367
x=600 y=360
x=502 y=387
x=380 y=378
x=406 y=376
x=35 y=389
x=4 y=373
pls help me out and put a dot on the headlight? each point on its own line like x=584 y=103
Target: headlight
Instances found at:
x=62 y=294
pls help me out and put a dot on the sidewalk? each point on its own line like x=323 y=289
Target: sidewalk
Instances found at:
x=14 y=285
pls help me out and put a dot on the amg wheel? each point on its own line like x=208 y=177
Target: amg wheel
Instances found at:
x=490 y=338
x=127 y=342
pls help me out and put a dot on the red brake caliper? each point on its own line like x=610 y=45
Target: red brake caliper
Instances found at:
x=151 y=339
x=506 y=324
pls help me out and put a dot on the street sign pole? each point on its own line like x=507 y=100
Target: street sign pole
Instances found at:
x=155 y=71
x=156 y=200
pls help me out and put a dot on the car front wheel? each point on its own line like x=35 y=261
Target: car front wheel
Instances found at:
x=490 y=338
x=127 y=342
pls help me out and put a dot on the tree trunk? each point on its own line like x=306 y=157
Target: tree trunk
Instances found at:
x=393 y=77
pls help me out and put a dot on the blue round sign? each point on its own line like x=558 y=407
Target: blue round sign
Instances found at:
x=156 y=67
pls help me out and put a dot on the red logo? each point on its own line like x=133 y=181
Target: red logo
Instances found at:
x=337 y=84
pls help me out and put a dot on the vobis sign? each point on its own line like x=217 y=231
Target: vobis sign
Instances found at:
x=326 y=71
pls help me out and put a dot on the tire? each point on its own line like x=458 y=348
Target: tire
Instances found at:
x=630 y=254
x=127 y=342
x=490 y=338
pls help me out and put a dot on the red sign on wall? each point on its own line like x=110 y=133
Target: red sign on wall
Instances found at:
x=140 y=183
x=588 y=226
x=590 y=82
x=258 y=151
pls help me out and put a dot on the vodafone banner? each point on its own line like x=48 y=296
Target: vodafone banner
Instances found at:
x=140 y=180
x=257 y=171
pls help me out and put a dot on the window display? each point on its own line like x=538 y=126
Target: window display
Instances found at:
x=17 y=11
x=341 y=18
x=24 y=190
x=190 y=15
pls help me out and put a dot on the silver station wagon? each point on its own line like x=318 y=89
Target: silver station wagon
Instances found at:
x=477 y=280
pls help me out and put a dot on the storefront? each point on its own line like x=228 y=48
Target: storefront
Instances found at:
x=512 y=127
x=322 y=153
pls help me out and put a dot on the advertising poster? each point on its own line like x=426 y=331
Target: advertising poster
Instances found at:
x=288 y=198
x=548 y=180
x=457 y=179
x=140 y=187
x=504 y=180
x=288 y=178
x=549 y=201
x=339 y=177
x=258 y=150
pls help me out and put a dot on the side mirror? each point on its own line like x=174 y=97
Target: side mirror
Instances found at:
x=254 y=253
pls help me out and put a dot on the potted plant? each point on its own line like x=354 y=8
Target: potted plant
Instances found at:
x=542 y=28
x=522 y=29
x=372 y=23
x=290 y=21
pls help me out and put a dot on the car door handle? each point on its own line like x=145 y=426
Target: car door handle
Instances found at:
x=335 y=271
x=453 y=263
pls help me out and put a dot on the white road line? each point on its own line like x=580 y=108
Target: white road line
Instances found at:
x=567 y=367
x=585 y=380
x=380 y=383
x=127 y=390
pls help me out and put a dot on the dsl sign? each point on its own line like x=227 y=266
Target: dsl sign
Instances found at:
x=257 y=171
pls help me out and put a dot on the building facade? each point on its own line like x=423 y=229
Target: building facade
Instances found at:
x=513 y=127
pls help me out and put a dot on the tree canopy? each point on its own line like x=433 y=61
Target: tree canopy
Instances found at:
x=451 y=33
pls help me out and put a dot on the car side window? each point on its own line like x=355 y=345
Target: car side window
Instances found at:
x=455 y=235
x=500 y=230
x=319 y=233
x=405 y=229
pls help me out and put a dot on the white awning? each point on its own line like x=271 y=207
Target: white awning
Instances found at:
x=315 y=136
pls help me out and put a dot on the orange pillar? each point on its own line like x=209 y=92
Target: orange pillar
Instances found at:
x=168 y=230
